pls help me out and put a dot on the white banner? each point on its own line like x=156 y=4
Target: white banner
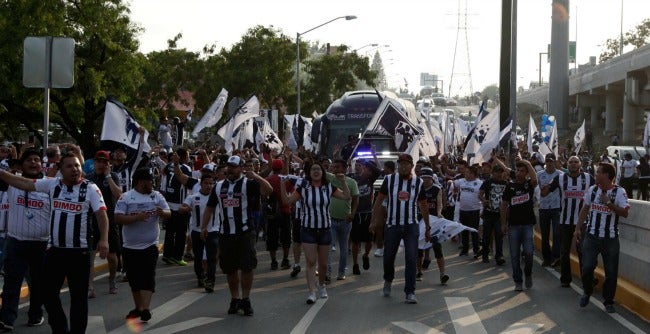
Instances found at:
x=119 y=126
x=213 y=115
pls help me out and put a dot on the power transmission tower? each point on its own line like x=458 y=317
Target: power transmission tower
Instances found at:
x=461 y=25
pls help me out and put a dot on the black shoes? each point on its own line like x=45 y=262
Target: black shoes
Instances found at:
x=356 y=270
x=35 y=322
x=133 y=314
x=426 y=263
x=500 y=261
x=366 y=262
x=274 y=265
x=584 y=300
x=234 y=305
x=245 y=305
x=296 y=270
x=145 y=315
x=285 y=264
x=444 y=278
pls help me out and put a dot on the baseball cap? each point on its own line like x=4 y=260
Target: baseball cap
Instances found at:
x=550 y=156
x=208 y=167
x=102 y=155
x=235 y=160
x=405 y=157
x=426 y=172
x=277 y=164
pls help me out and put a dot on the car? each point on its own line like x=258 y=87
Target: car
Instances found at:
x=636 y=151
x=440 y=101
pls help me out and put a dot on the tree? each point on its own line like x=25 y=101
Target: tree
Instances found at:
x=106 y=62
x=637 y=37
x=378 y=67
x=331 y=76
x=490 y=92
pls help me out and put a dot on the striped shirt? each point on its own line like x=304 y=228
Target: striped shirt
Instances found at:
x=234 y=198
x=28 y=215
x=125 y=177
x=145 y=233
x=70 y=223
x=197 y=202
x=602 y=222
x=315 y=204
x=572 y=193
x=171 y=188
x=402 y=195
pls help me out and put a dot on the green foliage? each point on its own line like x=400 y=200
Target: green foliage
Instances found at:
x=490 y=92
x=637 y=37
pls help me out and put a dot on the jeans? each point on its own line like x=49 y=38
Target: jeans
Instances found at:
x=521 y=236
x=393 y=234
x=566 y=240
x=21 y=257
x=340 y=233
x=210 y=245
x=470 y=219
x=73 y=265
x=609 y=249
x=550 y=218
x=176 y=228
x=492 y=224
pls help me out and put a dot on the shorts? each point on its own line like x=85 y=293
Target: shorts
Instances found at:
x=237 y=252
x=114 y=242
x=437 y=250
x=360 y=228
x=140 y=266
x=318 y=236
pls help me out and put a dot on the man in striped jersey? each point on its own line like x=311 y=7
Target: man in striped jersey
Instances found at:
x=29 y=214
x=68 y=257
x=604 y=204
x=573 y=187
x=237 y=255
x=405 y=195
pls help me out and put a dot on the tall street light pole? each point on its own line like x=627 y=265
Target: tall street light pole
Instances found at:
x=347 y=17
x=365 y=46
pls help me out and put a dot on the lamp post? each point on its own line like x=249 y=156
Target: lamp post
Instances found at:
x=367 y=45
x=377 y=47
x=347 y=17
x=539 y=69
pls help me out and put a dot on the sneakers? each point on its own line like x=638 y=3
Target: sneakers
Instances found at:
x=366 y=262
x=501 y=261
x=274 y=265
x=6 y=327
x=145 y=315
x=356 y=270
x=444 y=278
x=285 y=264
x=555 y=263
x=565 y=285
x=322 y=292
x=208 y=285
x=112 y=287
x=180 y=262
x=34 y=322
x=519 y=287
x=328 y=279
x=311 y=298
x=418 y=277
x=609 y=308
x=379 y=252
x=410 y=299
x=529 y=282
x=426 y=263
x=245 y=305
x=333 y=248
x=234 y=305
x=340 y=277
x=386 y=290
x=133 y=314
x=296 y=270
x=584 y=300
x=91 y=293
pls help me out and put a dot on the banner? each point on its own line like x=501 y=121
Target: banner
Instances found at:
x=441 y=230
x=485 y=138
x=534 y=137
x=265 y=135
x=390 y=120
x=230 y=131
x=213 y=115
x=579 y=138
x=120 y=127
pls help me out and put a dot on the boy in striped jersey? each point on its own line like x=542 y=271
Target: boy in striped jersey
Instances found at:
x=604 y=204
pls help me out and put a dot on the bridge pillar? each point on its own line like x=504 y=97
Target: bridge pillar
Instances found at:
x=612 y=102
x=629 y=122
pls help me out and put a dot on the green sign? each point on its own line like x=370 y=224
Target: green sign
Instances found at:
x=572 y=52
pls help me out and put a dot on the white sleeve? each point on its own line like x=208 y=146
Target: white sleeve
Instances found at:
x=95 y=198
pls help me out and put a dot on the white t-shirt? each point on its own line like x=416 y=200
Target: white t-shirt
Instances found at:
x=197 y=201
x=629 y=167
x=164 y=133
x=145 y=233
x=468 y=190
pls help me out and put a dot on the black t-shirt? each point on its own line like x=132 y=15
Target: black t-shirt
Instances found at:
x=494 y=193
x=102 y=183
x=366 y=191
x=431 y=195
x=519 y=197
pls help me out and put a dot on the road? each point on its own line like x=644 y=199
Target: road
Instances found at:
x=479 y=298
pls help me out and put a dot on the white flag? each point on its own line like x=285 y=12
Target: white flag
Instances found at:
x=579 y=138
x=390 y=120
x=484 y=139
x=213 y=115
x=441 y=230
x=535 y=138
x=266 y=135
x=119 y=126
x=300 y=132
x=248 y=110
x=646 y=132
x=553 y=140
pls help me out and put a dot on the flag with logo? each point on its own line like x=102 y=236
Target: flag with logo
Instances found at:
x=213 y=115
x=300 y=134
x=553 y=141
x=441 y=230
x=534 y=137
x=390 y=120
x=264 y=134
x=119 y=127
x=484 y=139
x=579 y=137
x=230 y=131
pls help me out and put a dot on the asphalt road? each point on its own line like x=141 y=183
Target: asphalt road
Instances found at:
x=479 y=298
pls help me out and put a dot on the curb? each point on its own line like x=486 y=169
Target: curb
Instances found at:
x=628 y=294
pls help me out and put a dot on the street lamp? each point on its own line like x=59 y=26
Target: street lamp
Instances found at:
x=357 y=49
x=540 y=67
x=347 y=17
x=378 y=47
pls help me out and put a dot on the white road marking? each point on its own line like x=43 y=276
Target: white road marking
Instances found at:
x=185 y=325
x=307 y=319
x=416 y=327
x=521 y=328
x=464 y=316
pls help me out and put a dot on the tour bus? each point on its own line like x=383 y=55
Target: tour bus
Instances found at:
x=349 y=116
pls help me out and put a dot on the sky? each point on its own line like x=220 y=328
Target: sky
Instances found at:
x=422 y=36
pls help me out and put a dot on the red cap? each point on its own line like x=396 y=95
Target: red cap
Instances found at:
x=102 y=155
x=277 y=164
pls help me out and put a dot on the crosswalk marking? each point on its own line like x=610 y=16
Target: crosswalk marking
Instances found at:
x=521 y=328
x=416 y=327
x=184 y=325
x=463 y=316
x=306 y=320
